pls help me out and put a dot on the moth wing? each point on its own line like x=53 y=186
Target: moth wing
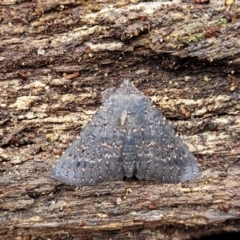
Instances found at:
x=95 y=156
x=161 y=155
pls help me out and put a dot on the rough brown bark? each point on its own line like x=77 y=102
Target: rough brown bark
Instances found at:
x=56 y=58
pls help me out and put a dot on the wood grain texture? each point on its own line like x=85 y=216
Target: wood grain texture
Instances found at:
x=55 y=60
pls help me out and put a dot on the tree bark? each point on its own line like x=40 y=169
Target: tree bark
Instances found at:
x=56 y=57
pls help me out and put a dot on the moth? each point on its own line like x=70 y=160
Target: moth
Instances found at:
x=127 y=136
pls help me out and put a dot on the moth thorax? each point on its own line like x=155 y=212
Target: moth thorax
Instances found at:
x=123 y=118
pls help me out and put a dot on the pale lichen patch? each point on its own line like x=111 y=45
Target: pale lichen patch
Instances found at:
x=24 y=102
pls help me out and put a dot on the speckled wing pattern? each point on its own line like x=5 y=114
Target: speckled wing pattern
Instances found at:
x=126 y=137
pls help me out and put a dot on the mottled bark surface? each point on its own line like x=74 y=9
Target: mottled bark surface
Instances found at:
x=56 y=57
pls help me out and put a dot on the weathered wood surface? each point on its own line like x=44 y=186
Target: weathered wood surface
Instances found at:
x=56 y=58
